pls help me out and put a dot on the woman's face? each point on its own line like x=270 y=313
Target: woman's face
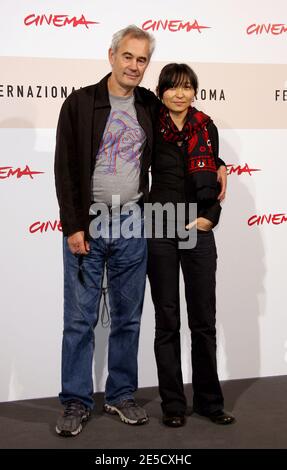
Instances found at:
x=179 y=98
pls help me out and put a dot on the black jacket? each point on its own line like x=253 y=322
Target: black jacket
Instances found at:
x=81 y=125
x=170 y=182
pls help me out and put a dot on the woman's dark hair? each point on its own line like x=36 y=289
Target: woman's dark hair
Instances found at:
x=173 y=75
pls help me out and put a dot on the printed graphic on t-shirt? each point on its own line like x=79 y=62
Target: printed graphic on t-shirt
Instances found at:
x=123 y=139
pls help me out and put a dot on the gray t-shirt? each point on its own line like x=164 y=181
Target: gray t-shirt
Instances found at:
x=117 y=168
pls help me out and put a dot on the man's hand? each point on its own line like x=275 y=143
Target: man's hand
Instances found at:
x=77 y=244
x=222 y=179
x=201 y=223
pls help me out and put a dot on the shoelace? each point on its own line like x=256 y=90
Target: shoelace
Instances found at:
x=129 y=403
x=74 y=407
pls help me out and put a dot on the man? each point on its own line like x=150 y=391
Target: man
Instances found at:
x=104 y=142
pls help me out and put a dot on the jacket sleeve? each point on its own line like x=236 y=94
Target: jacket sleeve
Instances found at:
x=66 y=169
x=211 y=213
x=213 y=134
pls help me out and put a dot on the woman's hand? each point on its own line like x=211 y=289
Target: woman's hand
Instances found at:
x=201 y=223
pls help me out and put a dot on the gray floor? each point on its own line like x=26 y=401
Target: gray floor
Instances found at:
x=260 y=407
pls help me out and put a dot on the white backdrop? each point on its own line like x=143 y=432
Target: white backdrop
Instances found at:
x=243 y=86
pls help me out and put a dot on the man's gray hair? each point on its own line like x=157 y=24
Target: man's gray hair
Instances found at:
x=134 y=32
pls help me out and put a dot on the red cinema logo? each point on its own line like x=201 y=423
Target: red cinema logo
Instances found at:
x=238 y=169
x=273 y=219
x=45 y=226
x=268 y=28
x=57 y=20
x=173 y=25
x=8 y=172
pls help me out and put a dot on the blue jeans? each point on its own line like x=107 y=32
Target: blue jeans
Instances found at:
x=126 y=275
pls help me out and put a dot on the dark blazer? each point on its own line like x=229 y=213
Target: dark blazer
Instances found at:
x=81 y=125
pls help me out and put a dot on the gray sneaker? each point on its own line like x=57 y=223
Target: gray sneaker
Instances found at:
x=128 y=411
x=70 y=422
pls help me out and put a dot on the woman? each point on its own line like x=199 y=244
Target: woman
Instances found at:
x=184 y=169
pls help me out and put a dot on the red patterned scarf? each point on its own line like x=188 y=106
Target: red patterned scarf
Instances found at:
x=199 y=162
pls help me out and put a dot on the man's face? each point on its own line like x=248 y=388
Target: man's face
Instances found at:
x=129 y=62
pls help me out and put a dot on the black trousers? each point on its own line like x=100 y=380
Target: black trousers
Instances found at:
x=199 y=267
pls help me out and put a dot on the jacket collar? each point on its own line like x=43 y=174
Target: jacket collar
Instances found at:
x=102 y=94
